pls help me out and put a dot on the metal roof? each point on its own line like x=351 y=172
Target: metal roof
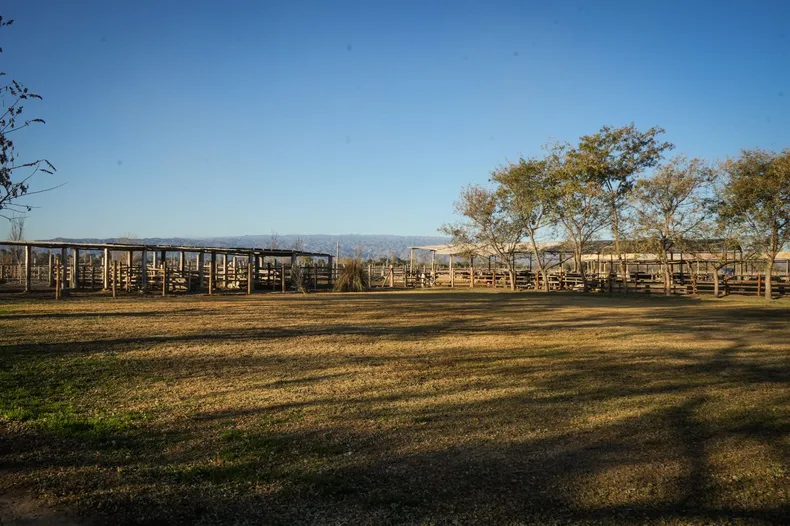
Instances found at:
x=166 y=248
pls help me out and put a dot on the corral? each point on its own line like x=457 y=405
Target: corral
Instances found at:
x=421 y=407
x=163 y=268
x=41 y=265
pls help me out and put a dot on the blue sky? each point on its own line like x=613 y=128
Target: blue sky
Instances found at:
x=233 y=118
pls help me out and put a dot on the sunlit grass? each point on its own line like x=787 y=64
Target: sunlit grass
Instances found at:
x=399 y=407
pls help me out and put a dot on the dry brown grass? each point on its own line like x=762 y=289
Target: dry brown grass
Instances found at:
x=418 y=407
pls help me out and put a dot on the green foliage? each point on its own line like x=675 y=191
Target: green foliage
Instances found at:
x=492 y=224
x=756 y=195
x=580 y=205
x=353 y=277
x=670 y=207
x=615 y=155
x=529 y=188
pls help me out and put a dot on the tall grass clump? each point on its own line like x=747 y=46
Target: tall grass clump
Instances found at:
x=353 y=277
x=299 y=279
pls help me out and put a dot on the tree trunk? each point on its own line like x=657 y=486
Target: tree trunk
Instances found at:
x=769 y=265
x=624 y=271
x=693 y=275
x=620 y=258
x=577 y=256
x=512 y=279
x=541 y=265
x=715 y=282
x=667 y=279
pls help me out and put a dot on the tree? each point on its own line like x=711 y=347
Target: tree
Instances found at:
x=669 y=207
x=274 y=241
x=757 y=195
x=490 y=222
x=719 y=243
x=615 y=156
x=15 y=175
x=580 y=205
x=17 y=234
x=528 y=185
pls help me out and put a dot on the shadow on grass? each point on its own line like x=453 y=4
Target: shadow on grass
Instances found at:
x=577 y=433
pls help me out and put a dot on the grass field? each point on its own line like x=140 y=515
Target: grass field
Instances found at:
x=414 y=407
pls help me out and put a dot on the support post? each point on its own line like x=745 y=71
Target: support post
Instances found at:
x=144 y=270
x=181 y=258
x=75 y=276
x=330 y=262
x=129 y=260
x=114 y=279
x=106 y=269
x=212 y=273
x=51 y=269
x=28 y=261
x=225 y=271
x=201 y=263
x=282 y=276
x=250 y=263
x=62 y=263
x=256 y=268
x=452 y=272
x=57 y=281
x=164 y=275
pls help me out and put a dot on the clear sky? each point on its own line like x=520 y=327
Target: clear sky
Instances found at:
x=232 y=118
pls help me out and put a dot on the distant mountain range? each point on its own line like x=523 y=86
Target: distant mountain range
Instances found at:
x=370 y=246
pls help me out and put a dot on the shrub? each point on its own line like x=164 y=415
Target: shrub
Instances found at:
x=353 y=277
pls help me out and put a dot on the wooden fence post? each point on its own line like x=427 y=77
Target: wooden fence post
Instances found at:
x=28 y=261
x=57 y=281
x=144 y=270
x=164 y=277
x=106 y=269
x=282 y=276
x=75 y=278
x=201 y=268
x=51 y=269
x=114 y=279
x=211 y=270
x=250 y=274
x=129 y=261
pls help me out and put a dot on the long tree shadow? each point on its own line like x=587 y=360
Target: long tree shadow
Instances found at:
x=522 y=433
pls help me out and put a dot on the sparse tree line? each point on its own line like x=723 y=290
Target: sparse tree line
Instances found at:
x=621 y=182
